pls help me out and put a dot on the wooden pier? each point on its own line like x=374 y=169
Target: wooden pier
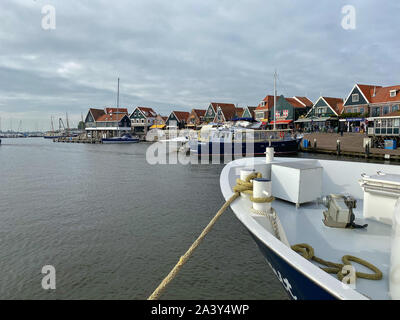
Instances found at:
x=349 y=145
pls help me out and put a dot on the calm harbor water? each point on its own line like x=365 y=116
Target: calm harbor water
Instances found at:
x=113 y=226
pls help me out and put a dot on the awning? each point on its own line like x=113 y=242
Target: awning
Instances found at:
x=157 y=126
x=322 y=119
x=281 y=122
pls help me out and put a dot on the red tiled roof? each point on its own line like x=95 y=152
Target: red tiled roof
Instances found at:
x=181 y=115
x=199 y=112
x=228 y=110
x=335 y=103
x=304 y=100
x=239 y=112
x=368 y=90
x=295 y=103
x=148 y=112
x=96 y=113
x=383 y=95
x=269 y=103
x=216 y=104
x=111 y=117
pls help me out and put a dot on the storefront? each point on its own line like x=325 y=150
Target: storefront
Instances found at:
x=317 y=124
x=353 y=124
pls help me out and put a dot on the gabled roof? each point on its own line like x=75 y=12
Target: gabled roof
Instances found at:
x=199 y=112
x=147 y=112
x=336 y=104
x=295 y=103
x=112 y=117
x=215 y=105
x=366 y=90
x=96 y=113
x=304 y=100
x=181 y=115
x=251 y=109
x=239 y=112
x=228 y=110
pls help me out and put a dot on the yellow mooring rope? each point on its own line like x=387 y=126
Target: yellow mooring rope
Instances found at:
x=241 y=186
x=307 y=252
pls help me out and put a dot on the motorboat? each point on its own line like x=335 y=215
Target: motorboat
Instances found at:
x=302 y=213
x=243 y=142
x=125 y=138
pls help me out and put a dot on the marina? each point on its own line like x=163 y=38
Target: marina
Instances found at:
x=200 y=158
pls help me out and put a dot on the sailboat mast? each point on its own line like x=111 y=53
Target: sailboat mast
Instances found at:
x=275 y=75
x=52 y=124
x=118 y=109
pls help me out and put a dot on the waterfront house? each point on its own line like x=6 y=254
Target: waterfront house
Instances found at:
x=262 y=111
x=212 y=110
x=287 y=111
x=159 y=122
x=225 y=112
x=107 y=123
x=177 y=119
x=373 y=101
x=324 y=115
x=248 y=113
x=92 y=116
x=196 y=118
x=142 y=118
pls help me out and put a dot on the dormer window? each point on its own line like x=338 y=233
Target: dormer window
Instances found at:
x=263 y=103
x=393 y=93
x=355 y=97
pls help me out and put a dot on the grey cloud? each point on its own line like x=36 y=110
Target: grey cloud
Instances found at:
x=183 y=54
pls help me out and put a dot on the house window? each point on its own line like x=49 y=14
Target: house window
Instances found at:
x=385 y=109
x=362 y=110
x=376 y=112
x=355 y=97
x=393 y=93
x=395 y=108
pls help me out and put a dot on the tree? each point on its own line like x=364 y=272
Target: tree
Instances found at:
x=81 y=125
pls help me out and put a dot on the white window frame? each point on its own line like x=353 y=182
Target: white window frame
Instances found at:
x=393 y=93
x=355 y=97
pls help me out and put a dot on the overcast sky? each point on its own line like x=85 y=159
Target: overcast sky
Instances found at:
x=178 y=55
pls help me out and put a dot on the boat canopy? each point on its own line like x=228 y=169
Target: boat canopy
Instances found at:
x=157 y=126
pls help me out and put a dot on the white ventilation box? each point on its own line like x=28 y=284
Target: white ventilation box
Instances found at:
x=297 y=182
x=381 y=192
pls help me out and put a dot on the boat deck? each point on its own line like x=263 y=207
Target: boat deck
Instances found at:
x=305 y=225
